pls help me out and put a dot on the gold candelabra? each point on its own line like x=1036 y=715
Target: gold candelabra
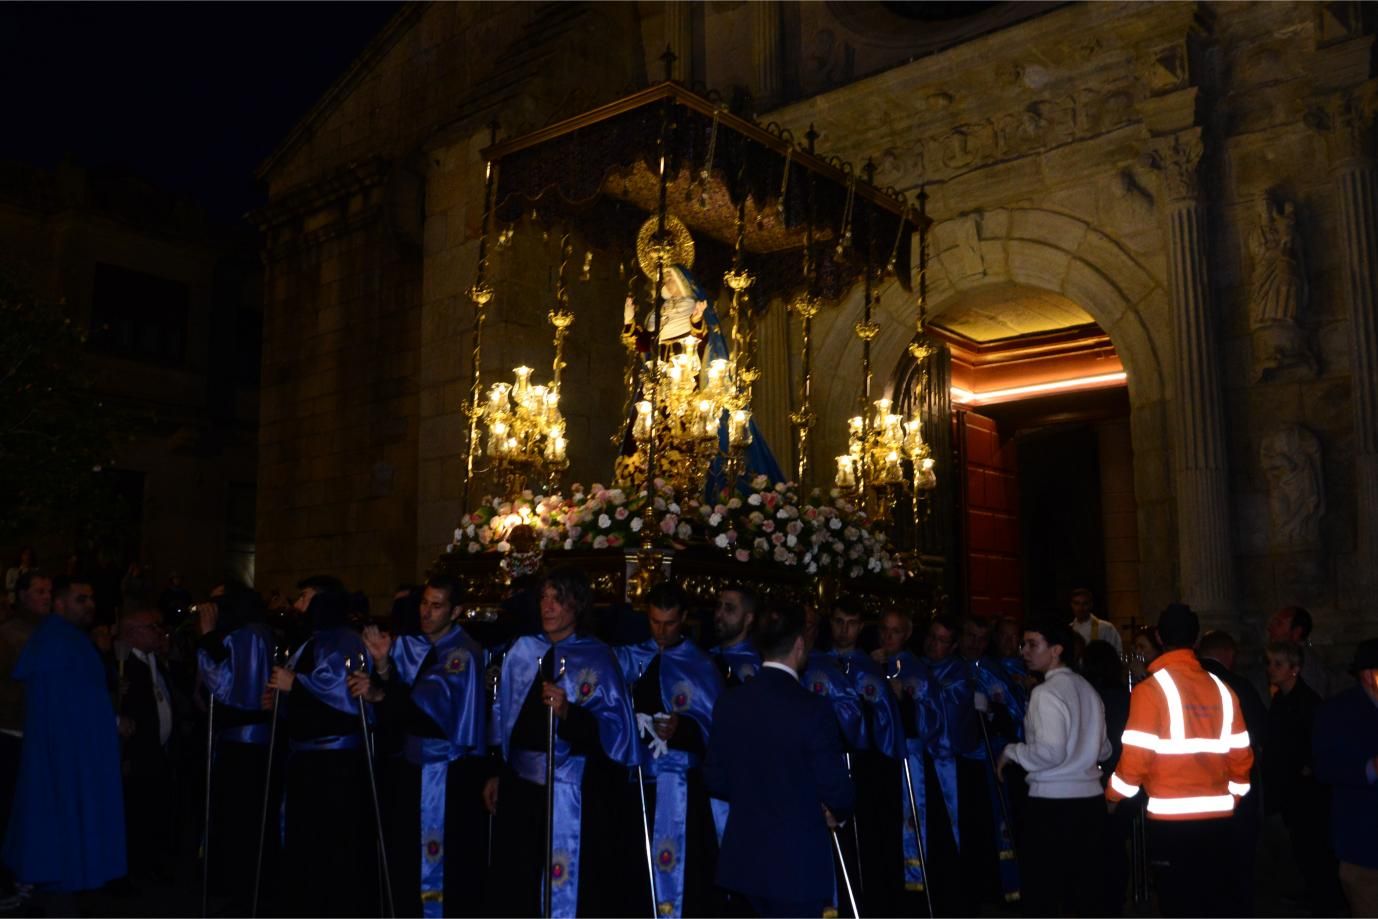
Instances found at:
x=524 y=426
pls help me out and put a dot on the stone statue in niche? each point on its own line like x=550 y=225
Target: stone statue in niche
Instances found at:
x=1291 y=461
x=1279 y=289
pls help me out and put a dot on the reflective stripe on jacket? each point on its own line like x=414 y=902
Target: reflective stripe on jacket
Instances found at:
x=1181 y=744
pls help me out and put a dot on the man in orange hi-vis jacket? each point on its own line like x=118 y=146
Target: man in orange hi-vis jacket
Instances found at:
x=1186 y=746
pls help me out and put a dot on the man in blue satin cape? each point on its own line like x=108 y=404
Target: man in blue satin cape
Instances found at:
x=430 y=686
x=876 y=768
x=235 y=658
x=674 y=687
x=775 y=756
x=959 y=732
x=577 y=678
x=66 y=832
x=330 y=852
x=733 y=617
x=917 y=696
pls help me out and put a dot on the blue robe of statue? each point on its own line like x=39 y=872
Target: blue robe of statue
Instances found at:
x=66 y=831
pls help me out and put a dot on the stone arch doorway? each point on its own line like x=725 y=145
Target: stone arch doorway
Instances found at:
x=1035 y=279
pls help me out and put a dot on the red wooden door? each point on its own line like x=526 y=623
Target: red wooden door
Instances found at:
x=989 y=518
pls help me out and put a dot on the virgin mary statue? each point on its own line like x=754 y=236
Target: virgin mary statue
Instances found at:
x=689 y=325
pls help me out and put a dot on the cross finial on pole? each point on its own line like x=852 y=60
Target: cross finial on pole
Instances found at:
x=669 y=58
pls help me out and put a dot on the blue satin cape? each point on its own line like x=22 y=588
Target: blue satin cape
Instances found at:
x=240 y=679
x=450 y=692
x=689 y=686
x=918 y=685
x=989 y=677
x=594 y=681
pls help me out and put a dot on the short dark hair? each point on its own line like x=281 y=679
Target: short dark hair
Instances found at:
x=63 y=583
x=441 y=582
x=777 y=628
x=1055 y=631
x=1101 y=666
x=968 y=619
x=571 y=585
x=1215 y=641
x=668 y=597
x=1178 y=626
x=947 y=621
x=1288 y=649
x=1082 y=592
x=847 y=605
x=747 y=594
x=322 y=584
x=1300 y=619
x=26 y=579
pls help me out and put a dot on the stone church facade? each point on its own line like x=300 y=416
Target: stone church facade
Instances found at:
x=1195 y=181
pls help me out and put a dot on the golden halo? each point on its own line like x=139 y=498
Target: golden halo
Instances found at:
x=681 y=245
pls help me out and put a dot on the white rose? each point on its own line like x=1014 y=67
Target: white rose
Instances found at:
x=720 y=541
x=715 y=520
x=812 y=568
x=673 y=508
x=754 y=500
x=600 y=542
x=791 y=540
x=604 y=521
x=683 y=531
x=475 y=548
x=569 y=544
x=636 y=524
x=835 y=524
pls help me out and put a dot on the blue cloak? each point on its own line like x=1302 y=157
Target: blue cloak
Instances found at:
x=66 y=831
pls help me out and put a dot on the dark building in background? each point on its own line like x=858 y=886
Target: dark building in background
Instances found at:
x=171 y=304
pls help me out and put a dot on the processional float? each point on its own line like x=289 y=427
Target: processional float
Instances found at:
x=678 y=190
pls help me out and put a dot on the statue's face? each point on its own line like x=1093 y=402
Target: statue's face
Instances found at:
x=675 y=287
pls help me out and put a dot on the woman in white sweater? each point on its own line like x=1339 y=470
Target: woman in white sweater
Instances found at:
x=1064 y=741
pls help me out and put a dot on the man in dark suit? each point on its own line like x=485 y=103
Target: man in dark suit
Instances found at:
x=775 y=756
x=146 y=702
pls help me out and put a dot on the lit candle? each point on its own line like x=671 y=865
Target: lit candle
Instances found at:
x=891 y=471
x=708 y=419
x=882 y=410
x=846 y=471
x=739 y=428
x=523 y=375
x=497 y=397
x=555 y=447
x=641 y=429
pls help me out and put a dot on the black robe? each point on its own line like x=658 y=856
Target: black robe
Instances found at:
x=330 y=865
x=519 y=830
x=466 y=820
x=701 y=838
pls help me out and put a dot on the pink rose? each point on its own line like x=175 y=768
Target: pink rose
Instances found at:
x=742 y=555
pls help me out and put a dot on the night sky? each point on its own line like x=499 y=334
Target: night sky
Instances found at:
x=191 y=96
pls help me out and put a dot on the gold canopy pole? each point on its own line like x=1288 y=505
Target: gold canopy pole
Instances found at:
x=481 y=294
x=866 y=330
x=806 y=307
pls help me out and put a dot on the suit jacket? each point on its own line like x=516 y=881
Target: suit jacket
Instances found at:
x=775 y=755
x=143 y=751
x=1345 y=741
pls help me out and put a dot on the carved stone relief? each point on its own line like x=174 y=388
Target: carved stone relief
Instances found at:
x=1278 y=289
x=1178 y=160
x=1041 y=124
x=1291 y=460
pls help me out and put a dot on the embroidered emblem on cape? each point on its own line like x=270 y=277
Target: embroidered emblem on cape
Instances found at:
x=681 y=694
x=870 y=687
x=559 y=868
x=433 y=847
x=667 y=856
x=457 y=661
x=585 y=683
x=816 y=682
x=746 y=671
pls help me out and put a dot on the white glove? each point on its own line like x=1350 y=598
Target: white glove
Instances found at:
x=646 y=728
x=980 y=702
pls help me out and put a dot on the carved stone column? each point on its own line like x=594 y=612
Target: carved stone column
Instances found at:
x=765 y=50
x=1204 y=539
x=679 y=35
x=1347 y=124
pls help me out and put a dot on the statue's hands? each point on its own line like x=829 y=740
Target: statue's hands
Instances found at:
x=628 y=312
x=699 y=307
